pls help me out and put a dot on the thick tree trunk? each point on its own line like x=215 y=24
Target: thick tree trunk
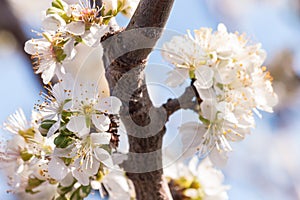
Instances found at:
x=125 y=58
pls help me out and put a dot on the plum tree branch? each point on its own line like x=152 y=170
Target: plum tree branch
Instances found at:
x=125 y=57
x=188 y=100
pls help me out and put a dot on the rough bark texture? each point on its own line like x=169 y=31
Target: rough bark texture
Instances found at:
x=125 y=59
x=188 y=100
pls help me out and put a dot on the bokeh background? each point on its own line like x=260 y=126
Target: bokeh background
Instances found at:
x=266 y=165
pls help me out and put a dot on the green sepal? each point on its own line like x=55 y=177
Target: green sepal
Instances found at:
x=59 y=12
x=81 y=193
x=203 y=120
x=59 y=53
x=57 y=4
x=78 y=40
x=33 y=183
x=61 y=198
x=64 y=131
x=192 y=74
x=28 y=135
x=25 y=155
x=62 y=191
x=67 y=161
x=45 y=126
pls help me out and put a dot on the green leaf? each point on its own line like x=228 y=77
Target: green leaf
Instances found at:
x=63 y=141
x=65 y=115
x=46 y=124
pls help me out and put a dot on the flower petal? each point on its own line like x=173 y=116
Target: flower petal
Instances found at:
x=100 y=138
x=208 y=108
x=57 y=169
x=191 y=138
x=67 y=181
x=204 y=76
x=53 y=128
x=110 y=105
x=101 y=122
x=92 y=37
x=103 y=156
x=76 y=28
x=52 y=22
x=48 y=73
x=218 y=158
x=177 y=76
x=77 y=124
x=33 y=46
x=81 y=177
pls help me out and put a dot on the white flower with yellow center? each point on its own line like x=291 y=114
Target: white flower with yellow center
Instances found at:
x=21 y=156
x=229 y=78
x=86 y=16
x=86 y=154
x=90 y=109
x=57 y=101
x=49 y=54
x=196 y=181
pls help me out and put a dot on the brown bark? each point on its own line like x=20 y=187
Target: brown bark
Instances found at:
x=125 y=58
x=185 y=101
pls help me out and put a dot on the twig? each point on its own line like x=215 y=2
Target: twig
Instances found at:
x=188 y=100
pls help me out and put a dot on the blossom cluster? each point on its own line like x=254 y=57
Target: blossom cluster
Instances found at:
x=228 y=75
x=69 y=148
x=65 y=27
x=196 y=181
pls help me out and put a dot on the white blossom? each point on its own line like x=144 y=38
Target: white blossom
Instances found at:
x=57 y=101
x=118 y=186
x=49 y=53
x=197 y=181
x=23 y=157
x=91 y=109
x=231 y=81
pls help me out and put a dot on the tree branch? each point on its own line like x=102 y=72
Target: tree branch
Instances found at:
x=188 y=100
x=125 y=58
x=133 y=46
